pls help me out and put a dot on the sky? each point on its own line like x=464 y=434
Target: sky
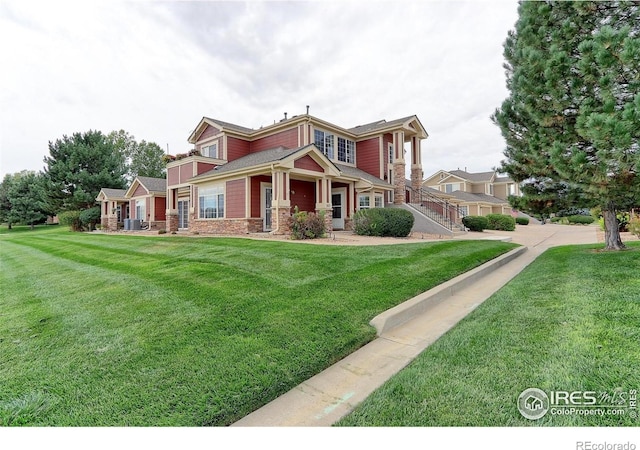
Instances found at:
x=155 y=68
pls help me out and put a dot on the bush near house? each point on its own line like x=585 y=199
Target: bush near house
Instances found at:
x=389 y=222
x=501 y=222
x=306 y=225
x=70 y=219
x=522 y=220
x=475 y=223
x=634 y=226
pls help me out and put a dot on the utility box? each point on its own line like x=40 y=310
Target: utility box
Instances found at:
x=135 y=224
x=127 y=224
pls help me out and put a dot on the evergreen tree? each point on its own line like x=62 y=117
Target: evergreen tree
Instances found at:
x=573 y=113
x=25 y=193
x=78 y=167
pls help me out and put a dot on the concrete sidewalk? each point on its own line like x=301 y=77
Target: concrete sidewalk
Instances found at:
x=330 y=395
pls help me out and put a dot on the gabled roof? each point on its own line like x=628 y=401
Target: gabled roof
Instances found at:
x=111 y=194
x=477 y=177
x=506 y=179
x=151 y=185
x=380 y=125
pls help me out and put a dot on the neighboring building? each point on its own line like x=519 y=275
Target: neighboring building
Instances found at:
x=239 y=180
x=145 y=200
x=476 y=194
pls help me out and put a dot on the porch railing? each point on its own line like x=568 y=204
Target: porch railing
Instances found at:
x=437 y=209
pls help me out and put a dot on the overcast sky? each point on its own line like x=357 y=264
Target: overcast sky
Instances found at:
x=154 y=69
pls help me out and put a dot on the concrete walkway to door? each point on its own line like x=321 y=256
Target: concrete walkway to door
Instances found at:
x=330 y=395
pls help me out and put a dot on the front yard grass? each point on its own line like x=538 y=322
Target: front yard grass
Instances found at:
x=117 y=330
x=568 y=322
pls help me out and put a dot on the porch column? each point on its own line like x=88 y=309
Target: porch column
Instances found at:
x=280 y=203
x=171 y=212
x=399 y=168
x=416 y=164
x=323 y=202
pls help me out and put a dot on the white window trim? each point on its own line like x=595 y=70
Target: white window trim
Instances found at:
x=224 y=200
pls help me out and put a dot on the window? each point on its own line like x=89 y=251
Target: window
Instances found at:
x=324 y=142
x=489 y=188
x=511 y=189
x=379 y=201
x=210 y=151
x=364 y=201
x=346 y=150
x=450 y=187
x=464 y=211
x=390 y=153
x=141 y=209
x=211 y=202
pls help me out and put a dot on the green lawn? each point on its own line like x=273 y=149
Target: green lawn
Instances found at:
x=168 y=330
x=569 y=322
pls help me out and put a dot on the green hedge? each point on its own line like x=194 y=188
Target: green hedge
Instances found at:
x=383 y=222
x=475 y=223
x=522 y=220
x=501 y=222
x=307 y=225
x=71 y=219
x=581 y=219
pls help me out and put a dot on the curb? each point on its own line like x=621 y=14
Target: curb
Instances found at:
x=408 y=310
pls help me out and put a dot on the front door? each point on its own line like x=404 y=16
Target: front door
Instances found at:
x=338 y=205
x=267 y=213
x=183 y=214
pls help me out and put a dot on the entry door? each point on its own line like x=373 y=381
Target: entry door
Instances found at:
x=267 y=213
x=338 y=204
x=183 y=214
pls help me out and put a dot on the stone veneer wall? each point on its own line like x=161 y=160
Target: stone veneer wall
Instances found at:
x=172 y=222
x=226 y=226
x=399 y=192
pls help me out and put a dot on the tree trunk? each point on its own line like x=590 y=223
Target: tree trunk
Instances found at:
x=611 y=231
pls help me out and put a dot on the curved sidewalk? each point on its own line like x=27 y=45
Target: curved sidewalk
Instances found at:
x=330 y=395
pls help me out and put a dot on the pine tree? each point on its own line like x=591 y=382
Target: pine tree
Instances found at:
x=573 y=113
x=78 y=167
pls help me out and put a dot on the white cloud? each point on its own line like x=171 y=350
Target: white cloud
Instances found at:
x=154 y=69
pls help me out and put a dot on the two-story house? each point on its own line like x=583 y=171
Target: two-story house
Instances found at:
x=476 y=194
x=240 y=180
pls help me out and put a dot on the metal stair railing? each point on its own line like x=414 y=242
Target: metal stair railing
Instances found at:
x=437 y=209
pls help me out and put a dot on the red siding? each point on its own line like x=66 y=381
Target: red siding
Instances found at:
x=139 y=192
x=235 y=199
x=308 y=163
x=305 y=195
x=186 y=172
x=173 y=176
x=286 y=138
x=368 y=156
x=236 y=148
x=204 y=167
x=161 y=207
x=255 y=193
x=208 y=132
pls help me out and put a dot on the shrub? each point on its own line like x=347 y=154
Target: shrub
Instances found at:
x=162 y=231
x=306 y=225
x=70 y=219
x=501 y=222
x=522 y=220
x=90 y=217
x=556 y=219
x=393 y=222
x=579 y=219
x=475 y=223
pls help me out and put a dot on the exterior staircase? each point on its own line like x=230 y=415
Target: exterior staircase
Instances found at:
x=434 y=215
